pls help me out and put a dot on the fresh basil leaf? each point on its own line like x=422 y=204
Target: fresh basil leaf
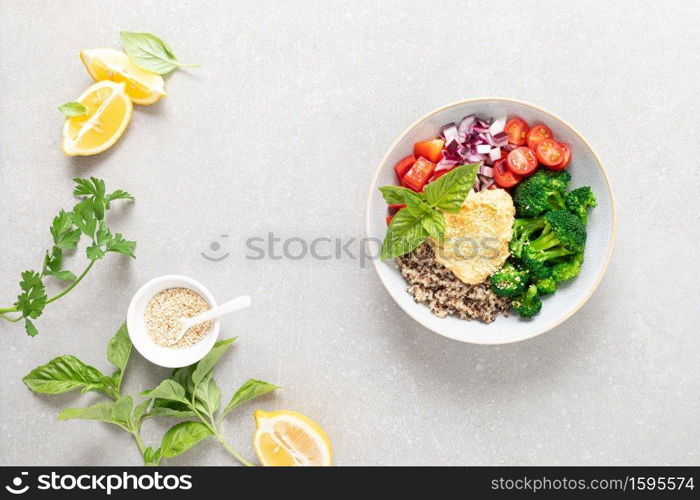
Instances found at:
x=182 y=437
x=72 y=109
x=140 y=410
x=64 y=374
x=251 y=389
x=121 y=411
x=118 y=352
x=167 y=389
x=100 y=411
x=151 y=456
x=434 y=223
x=404 y=235
x=415 y=205
x=395 y=194
x=164 y=411
x=449 y=191
x=207 y=396
x=206 y=364
x=150 y=52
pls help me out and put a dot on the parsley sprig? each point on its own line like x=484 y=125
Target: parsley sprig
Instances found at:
x=67 y=229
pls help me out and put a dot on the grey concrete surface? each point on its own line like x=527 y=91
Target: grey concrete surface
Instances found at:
x=280 y=131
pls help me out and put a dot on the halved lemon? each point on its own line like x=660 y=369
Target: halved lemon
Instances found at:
x=144 y=87
x=108 y=113
x=288 y=438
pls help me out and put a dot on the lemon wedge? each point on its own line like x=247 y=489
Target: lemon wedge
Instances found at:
x=288 y=438
x=108 y=113
x=142 y=86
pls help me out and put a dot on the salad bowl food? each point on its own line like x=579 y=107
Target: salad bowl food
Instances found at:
x=521 y=186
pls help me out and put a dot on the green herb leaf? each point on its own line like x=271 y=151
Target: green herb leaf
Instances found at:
x=94 y=252
x=206 y=364
x=150 y=52
x=32 y=300
x=64 y=275
x=72 y=109
x=66 y=373
x=164 y=411
x=84 y=218
x=207 y=396
x=30 y=328
x=251 y=389
x=404 y=235
x=395 y=194
x=118 y=244
x=449 y=191
x=151 y=456
x=140 y=410
x=89 y=187
x=119 y=195
x=434 y=223
x=182 y=437
x=121 y=412
x=64 y=234
x=118 y=352
x=100 y=411
x=167 y=389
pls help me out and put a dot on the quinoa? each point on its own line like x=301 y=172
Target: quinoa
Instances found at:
x=164 y=311
x=433 y=284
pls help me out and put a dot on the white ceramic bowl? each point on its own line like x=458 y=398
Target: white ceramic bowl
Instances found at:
x=165 y=356
x=586 y=170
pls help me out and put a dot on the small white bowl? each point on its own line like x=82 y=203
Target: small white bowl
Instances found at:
x=165 y=356
x=586 y=170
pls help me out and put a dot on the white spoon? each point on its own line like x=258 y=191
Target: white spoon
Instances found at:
x=227 y=307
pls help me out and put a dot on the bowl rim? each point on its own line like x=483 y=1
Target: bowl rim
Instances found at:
x=613 y=229
x=140 y=339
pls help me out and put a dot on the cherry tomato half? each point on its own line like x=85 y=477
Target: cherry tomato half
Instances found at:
x=503 y=176
x=517 y=131
x=549 y=153
x=522 y=161
x=537 y=134
x=404 y=166
x=566 y=158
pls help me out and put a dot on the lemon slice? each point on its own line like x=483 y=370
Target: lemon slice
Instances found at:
x=142 y=86
x=288 y=438
x=108 y=113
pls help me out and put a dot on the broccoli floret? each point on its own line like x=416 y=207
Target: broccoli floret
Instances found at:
x=569 y=269
x=523 y=229
x=546 y=286
x=579 y=200
x=528 y=304
x=540 y=193
x=562 y=230
x=563 y=235
x=508 y=281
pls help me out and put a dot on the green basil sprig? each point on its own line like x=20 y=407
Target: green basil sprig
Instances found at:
x=422 y=217
x=149 y=52
x=190 y=394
